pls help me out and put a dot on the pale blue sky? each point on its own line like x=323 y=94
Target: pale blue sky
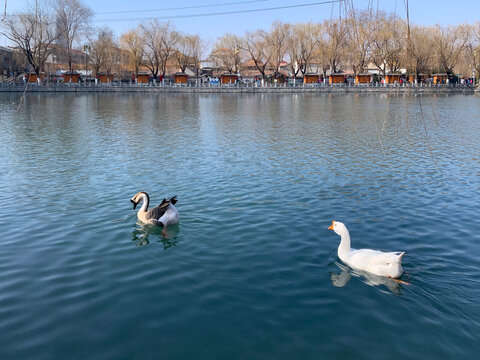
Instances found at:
x=425 y=12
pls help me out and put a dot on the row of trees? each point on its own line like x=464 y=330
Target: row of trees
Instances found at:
x=358 y=41
x=36 y=29
x=151 y=45
x=154 y=45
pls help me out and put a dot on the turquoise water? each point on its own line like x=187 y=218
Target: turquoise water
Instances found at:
x=251 y=271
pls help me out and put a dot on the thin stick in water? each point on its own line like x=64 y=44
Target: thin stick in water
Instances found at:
x=5 y=11
x=23 y=96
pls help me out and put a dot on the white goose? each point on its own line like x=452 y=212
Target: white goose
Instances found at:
x=162 y=215
x=380 y=263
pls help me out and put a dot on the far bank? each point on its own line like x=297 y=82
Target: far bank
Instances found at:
x=332 y=89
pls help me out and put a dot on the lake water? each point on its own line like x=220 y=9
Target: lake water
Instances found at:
x=251 y=271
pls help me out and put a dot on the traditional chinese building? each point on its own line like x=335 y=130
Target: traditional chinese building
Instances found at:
x=311 y=78
x=336 y=78
x=228 y=79
x=439 y=78
x=180 y=78
x=105 y=78
x=33 y=78
x=392 y=78
x=363 y=78
x=143 y=78
x=71 y=77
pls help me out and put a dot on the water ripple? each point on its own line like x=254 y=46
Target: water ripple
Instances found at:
x=251 y=271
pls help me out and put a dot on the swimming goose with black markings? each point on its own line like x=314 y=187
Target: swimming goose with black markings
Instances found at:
x=164 y=214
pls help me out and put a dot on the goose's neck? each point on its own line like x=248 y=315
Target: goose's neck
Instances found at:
x=146 y=202
x=344 y=246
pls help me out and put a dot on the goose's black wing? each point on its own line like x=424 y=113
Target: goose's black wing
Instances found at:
x=158 y=211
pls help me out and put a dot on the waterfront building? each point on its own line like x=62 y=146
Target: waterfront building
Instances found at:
x=337 y=78
x=363 y=78
x=393 y=78
x=12 y=61
x=311 y=78
x=33 y=78
x=180 y=78
x=143 y=78
x=439 y=78
x=228 y=79
x=6 y=60
x=71 y=77
x=58 y=58
x=105 y=78
x=421 y=78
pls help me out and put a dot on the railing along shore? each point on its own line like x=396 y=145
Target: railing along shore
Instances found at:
x=235 y=88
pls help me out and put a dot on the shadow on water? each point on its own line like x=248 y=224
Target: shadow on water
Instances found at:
x=346 y=273
x=143 y=234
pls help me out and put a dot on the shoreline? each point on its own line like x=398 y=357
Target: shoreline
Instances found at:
x=112 y=88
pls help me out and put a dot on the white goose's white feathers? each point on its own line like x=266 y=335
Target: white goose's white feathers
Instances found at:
x=373 y=261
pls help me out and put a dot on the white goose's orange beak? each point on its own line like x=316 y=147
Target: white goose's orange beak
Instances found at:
x=331 y=226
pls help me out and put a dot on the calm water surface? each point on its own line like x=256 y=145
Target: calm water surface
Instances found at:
x=251 y=271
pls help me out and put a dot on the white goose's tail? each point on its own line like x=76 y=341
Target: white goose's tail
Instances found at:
x=399 y=256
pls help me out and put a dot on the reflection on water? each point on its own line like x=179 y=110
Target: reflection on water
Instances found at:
x=143 y=234
x=346 y=273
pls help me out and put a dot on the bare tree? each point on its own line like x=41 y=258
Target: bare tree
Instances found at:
x=198 y=49
x=361 y=26
x=227 y=53
x=255 y=45
x=96 y=52
x=449 y=43
x=387 y=43
x=133 y=42
x=303 y=44
x=309 y=41
x=465 y=66
x=111 y=52
x=181 y=52
x=321 y=51
x=184 y=50
x=104 y=51
x=33 y=31
x=151 y=46
x=421 y=49
x=473 y=49
x=188 y=52
x=294 y=51
x=168 y=40
x=72 y=20
x=335 y=33
x=159 y=44
x=276 y=40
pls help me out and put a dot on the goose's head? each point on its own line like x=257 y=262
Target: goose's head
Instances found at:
x=338 y=227
x=135 y=200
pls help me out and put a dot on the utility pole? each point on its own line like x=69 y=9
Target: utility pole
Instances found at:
x=86 y=49
x=409 y=44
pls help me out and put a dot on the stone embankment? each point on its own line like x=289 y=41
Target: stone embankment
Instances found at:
x=114 y=88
